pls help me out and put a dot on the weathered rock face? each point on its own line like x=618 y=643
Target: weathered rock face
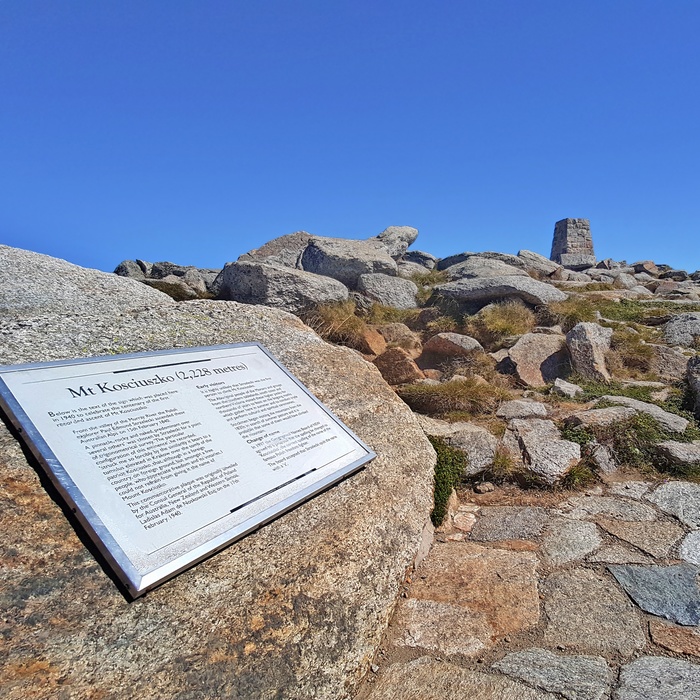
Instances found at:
x=396 y=239
x=477 y=266
x=32 y=284
x=295 y=610
x=279 y=287
x=540 y=446
x=346 y=260
x=418 y=257
x=588 y=343
x=284 y=250
x=400 y=335
x=572 y=245
x=390 y=291
x=488 y=289
x=537 y=264
x=397 y=367
x=539 y=358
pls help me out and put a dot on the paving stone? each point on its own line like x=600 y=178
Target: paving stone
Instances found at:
x=496 y=587
x=631 y=489
x=655 y=538
x=425 y=679
x=667 y=591
x=619 y=554
x=569 y=540
x=690 y=548
x=588 y=507
x=574 y=677
x=659 y=678
x=680 y=499
x=509 y=523
x=586 y=613
x=682 y=640
x=440 y=627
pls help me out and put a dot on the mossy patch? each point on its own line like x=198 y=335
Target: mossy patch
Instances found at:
x=450 y=468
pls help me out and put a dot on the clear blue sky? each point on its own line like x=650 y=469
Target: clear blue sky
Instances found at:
x=193 y=131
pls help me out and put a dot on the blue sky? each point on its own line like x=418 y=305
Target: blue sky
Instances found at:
x=193 y=131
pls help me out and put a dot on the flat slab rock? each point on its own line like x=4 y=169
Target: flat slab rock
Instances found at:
x=655 y=538
x=667 y=591
x=690 y=548
x=574 y=677
x=584 y=612
x=681 y=499
x=496 y=590
x=565 y=541
x=682 y=640
x=425 y=679
x=509 y=523
x=669 y=421
x=590 y=507
x=659 y=678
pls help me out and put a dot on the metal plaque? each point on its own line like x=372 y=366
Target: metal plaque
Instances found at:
x=167 y=457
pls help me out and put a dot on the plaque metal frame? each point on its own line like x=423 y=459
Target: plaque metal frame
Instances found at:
x=137 y=578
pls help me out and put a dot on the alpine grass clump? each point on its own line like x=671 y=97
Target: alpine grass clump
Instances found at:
x=469 y=396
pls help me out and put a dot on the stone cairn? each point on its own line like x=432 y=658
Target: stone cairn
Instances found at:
x=572 y=246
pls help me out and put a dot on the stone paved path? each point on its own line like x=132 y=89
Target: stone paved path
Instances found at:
x=530 y=595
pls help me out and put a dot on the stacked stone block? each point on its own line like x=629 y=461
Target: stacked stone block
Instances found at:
x=572 y=246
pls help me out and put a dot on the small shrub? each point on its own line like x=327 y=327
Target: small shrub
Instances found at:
x=443 y=324
x=498 y=321
x=450 y=468
x=469 y=396
x=337 y=323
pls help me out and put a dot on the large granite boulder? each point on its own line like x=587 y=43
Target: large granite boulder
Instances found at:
x=540 y=358
x=418 y=257
x=396 y=292
x=296 y=610
x=487 y=289
x=280 y=287
x=683 y=329
x=477 y=266
x=537 y=442
x=346 y=260
x=284 y=250
x=537 y=264
x=588 y=343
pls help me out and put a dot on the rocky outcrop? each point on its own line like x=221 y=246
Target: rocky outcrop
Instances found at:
x=668 y=421
x=485 y=290
x=588 y=343
x=178 y=281
x=291 y=611
x=279 y=287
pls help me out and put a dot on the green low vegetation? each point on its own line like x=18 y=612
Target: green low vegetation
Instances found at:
x=450 y=468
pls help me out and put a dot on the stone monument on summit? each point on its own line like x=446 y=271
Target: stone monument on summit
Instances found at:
x=572 y=246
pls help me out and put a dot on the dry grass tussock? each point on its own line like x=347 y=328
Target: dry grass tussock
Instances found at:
x=468 y=397
x=496 y=322
x=337 y=323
